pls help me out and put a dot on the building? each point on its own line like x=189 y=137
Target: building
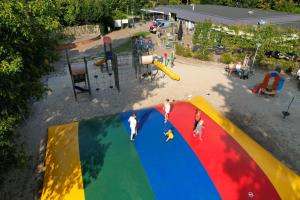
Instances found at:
x=192 y=14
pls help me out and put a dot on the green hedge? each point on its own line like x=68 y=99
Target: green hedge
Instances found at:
x=203 y=55
x=232 y=57
x=144 y=34
x=272 y=63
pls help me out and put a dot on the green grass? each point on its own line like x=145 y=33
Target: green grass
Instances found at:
x=125 y=47
x=142 y=33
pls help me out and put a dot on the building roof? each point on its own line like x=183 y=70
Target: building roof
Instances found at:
x=227 y=15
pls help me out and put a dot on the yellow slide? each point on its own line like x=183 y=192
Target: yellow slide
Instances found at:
x=100 y=62
x=166 y=70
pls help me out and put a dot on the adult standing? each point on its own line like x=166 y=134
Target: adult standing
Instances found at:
x=133 y=126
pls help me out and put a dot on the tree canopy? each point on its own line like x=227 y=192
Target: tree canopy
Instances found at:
x=27 y=42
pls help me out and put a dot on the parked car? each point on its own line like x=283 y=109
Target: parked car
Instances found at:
x=158 y=24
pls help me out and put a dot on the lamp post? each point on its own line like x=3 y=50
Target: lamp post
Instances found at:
x=257 y=47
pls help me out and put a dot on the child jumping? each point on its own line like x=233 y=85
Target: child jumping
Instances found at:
x=133 y=126
x=169 y=135
x=198 y=129
x=167 y=109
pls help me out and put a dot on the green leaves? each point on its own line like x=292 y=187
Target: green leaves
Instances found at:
x=174 y=2
x=10 y=66
x=204 y=35
x=27 y=39
x=233 y=37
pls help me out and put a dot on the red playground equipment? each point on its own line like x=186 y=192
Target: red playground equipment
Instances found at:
x=273 y=89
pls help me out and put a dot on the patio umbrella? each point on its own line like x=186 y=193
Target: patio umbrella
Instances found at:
x=180 y=31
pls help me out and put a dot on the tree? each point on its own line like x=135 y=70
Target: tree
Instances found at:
x=28 y=36
x=174 y=2
x=196 y=1
x=264 y=4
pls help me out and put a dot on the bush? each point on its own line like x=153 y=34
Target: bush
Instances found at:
x=10 y=153
x=232 y=57
x=117 y=14
x=273 y=63
x=182 y=51
x=203 y=55
x=239 y=57
x=226 y=58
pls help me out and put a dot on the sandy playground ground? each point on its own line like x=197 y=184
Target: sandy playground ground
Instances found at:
x=258 y=116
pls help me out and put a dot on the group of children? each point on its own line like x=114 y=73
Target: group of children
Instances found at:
x=197 y=129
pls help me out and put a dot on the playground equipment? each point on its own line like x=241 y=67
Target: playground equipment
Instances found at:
x=146 y=45
x=82 y=157
x=271 y=90
x=108 y=54
x=150 y=59
x=79 y=74
x=143 y=60
x=104 y=64
x=109 y=77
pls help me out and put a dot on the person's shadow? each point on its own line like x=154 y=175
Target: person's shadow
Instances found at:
x=143 y=118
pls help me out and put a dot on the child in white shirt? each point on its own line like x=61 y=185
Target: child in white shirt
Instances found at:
x=133 y=126
x=167 y=109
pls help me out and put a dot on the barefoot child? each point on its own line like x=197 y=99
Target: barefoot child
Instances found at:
x=167 y=109
x=133 y=126
x=197 y=119
x=198 y=130
x=169 y=135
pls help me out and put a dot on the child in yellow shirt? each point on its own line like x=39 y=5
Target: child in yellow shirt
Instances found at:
x=169 y=135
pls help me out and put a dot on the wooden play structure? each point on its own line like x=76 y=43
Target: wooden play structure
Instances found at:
x=79 y=74
x=270 y=89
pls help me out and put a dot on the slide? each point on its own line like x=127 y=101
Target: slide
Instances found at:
x=166 y=70
x=100 y=62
